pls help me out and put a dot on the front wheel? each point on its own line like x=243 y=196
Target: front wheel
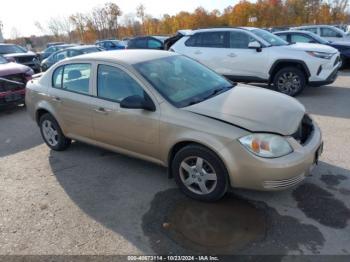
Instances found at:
x=200 y=173
x=290 y=81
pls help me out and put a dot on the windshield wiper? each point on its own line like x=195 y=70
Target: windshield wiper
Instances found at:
x=213 y=93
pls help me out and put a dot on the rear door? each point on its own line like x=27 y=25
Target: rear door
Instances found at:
x=71 y=98
x=211 y=49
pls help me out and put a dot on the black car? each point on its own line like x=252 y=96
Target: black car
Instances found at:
x=147 y=42
x=66 y=53
x=296 y=36
x=20 y=55
x=52 y=49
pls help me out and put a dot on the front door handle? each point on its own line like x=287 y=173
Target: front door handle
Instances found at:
x=198 y=52
x=231 y=55
x=57 y=99
x=102 y=110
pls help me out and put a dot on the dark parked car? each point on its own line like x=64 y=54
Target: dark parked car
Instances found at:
x=68 y=52
x=20 y=55
x=298 y=36
x=52 y=49
x=110 y=44
x=147 y=42
x=13 y=79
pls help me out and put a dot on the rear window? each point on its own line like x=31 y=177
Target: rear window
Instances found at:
x=208 y=39
x=72 y=77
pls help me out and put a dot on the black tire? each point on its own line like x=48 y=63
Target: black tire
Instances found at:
x=209 y=157
x=62 y=142
x=295 y=81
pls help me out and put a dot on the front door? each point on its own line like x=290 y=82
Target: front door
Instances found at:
x=135 y=130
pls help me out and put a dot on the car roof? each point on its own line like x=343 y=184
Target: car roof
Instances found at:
x=294 y=31
x=126 y=57
x=82 y=47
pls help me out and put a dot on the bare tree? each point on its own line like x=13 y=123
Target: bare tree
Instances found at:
x=78 y=20
x=15 y=34
x=141 y=13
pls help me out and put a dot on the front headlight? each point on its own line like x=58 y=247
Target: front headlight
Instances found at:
x=266 y=145
x=320 y=54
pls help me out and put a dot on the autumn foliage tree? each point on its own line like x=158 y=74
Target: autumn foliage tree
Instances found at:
x=105 y=21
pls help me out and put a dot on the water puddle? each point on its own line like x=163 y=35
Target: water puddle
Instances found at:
x=222 y=227
x=176 y=224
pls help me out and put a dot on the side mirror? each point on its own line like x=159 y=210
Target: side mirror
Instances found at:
x=255 y=45
x=339 y=35
x=138 y=102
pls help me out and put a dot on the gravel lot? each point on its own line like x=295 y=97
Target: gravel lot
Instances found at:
x=90 y=201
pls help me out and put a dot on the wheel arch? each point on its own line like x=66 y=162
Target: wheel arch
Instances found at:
x=181 y=144
x=281 y=63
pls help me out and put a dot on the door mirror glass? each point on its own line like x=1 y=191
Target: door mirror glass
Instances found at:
x=138 y=102
x=254 y=45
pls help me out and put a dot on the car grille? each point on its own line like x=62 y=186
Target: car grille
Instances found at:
x=25 y=59
x=280 y=184
x=305 y=130
x=7 y=85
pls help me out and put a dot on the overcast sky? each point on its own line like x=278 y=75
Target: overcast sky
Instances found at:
x=22 y=14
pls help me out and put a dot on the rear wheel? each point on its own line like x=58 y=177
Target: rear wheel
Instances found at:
x=200 y=173
x=290 y=81
x=52 y=133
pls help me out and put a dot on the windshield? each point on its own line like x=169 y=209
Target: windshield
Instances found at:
x=2 y=60
x=319 y=39
x=181 y=80
x=10 y=49
x=272 y=39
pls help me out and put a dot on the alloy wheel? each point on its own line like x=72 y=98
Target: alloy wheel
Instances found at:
x=289 y=83
x=50 y=133
x=198 y=175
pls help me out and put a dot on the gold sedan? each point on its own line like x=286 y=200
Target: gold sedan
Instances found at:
x=171 y=110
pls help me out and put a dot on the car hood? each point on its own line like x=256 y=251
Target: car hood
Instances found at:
x=12 y=68
x=253 y=108
x=340 y=44
x=313 y=47
x=19 y=54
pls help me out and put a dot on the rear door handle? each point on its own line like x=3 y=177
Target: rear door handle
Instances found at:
x=198 y=52
x=231 y=55
x=102 y=110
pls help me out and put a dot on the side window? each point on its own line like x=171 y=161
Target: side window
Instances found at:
x=76 y=78
x=212 y=39
x=72 y=53
x=283 y=36
x=328 y=32
x=61 y=55
x=154 y=44
x=298 y=38
x=240 y=40
x=192 y=40
x=57 y=77
x=311 y=29
x=115 y=84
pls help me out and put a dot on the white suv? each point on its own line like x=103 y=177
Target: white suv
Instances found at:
x=255 y=55
x=328 y=32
